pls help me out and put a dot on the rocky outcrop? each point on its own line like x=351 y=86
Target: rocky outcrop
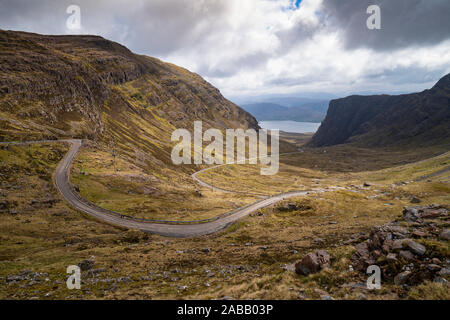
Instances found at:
x=408 y=251
x=380 y=120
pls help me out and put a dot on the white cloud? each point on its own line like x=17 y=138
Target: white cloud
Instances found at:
x=318 y=62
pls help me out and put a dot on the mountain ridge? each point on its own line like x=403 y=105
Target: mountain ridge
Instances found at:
x=90 y=87
x=312 y=111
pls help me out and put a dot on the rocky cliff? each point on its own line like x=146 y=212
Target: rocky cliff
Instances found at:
x=417 y=119
x=90 y=87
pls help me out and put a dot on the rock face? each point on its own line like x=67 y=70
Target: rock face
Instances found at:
x=420 y=118
x=402 y=259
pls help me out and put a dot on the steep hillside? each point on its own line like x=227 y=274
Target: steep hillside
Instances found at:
x=418 y=119
x=90 y=87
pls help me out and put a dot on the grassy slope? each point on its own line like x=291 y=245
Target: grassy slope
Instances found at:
x=135 y=118
x=165 y=195
x=246 y=258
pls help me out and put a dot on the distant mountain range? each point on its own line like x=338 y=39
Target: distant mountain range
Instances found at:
x=289 y=108
x=417 y=119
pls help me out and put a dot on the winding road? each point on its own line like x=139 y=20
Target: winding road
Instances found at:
x=176 y=229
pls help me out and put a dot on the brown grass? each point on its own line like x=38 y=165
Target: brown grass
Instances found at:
x=246 y=259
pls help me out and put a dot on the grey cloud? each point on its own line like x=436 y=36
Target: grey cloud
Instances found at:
x=230 y=65
x=164 y=26
x=290 y=38
x=291 y=81
x=403 y=22
x=156 y=27
x=401 y=75
x=33 y=16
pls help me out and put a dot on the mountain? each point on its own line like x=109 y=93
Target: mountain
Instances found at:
x=89 y=87
x=416 y=119
x=299 y=101
x=265 y=110
x=287 y=100
x=306 y=110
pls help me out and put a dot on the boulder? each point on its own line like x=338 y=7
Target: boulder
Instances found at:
x=313 y=262
x=415 y=247
x=436 y=261
x=444 y=272
x=356 y=238
x=377 y=237
x=420 y=234
x=324 y=258
x=361 y=258
x=398 y=232
x=309 y=264
x=424 y=212
x=399 y=244
x=407 y=255
x=402 y=277
x=391 y=258
x=434 y=267
x=410 y=214
x=430 y=213
x=445 y=234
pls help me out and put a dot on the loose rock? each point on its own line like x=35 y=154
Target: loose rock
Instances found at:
x=313 y=262
x=445 y=234
x=401 y=278
x=415 y=247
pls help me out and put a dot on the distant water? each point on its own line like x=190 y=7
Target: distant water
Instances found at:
x=290 y=126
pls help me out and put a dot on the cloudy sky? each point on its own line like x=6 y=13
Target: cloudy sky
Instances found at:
x=258 y=47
